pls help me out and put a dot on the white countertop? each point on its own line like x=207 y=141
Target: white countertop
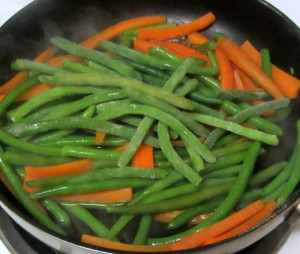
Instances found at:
x=289 y=7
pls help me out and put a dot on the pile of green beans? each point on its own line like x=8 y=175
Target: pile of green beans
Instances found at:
x=206 y=141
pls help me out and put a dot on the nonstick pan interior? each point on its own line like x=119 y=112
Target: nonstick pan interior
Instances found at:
x=29 y=32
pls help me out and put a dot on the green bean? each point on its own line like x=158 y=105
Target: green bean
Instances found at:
x=168 y=164
x=84 y=140
x=102 y=69
x=90 y=153
x=169 y=120
x=153 y=81
x=175 y=203
x=282 y=177
x=196 y=160
x=95 y=56
x=20 y=171
x=207 y=46
x=228 y=171
x=143 y=230
x=226 y=161
x=52 y=94
x=181 y=116
x=11 y=141
x=24 y=198
x=91 y=186
x=77 y=67
x=191 y=212
x=125 y=41
x=213 y=59
x=243 y=95
x=32 y=159
x=23 y=129
x=100 y=164
x=132 y=32
x=266 y=62
x=27 y=65
x=294 y=177
x=12 y=95
x=218 y=35
x=87 y=218
x=262 y=108
x=58 y=213
x=210 y=82
x=110 y=80
x=95 y=175
x=173 y=157
x=137 y=56
x=201 y=98
x=72 y=107
x=235 y=192
x=89 y=112
x=165 y=55
x=226 y=140
x=156 y=187
x=267 y=174
x=274 y=194
x=236 y=128
x=147 y=69
x=240 y=115
x=231 y=148
x=188 y=87
x=249 y=197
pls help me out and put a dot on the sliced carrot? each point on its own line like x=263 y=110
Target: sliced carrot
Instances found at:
x=32 y=173
x=226 y=70
x=248 y=224
x=166 y=217
x=143 y=46
x=109 y=196
x=177 y=31
x=114 y=30
x=56 y=61
x=22 y=76
x=197 y=38
x=221 y=227
x=246 y=64
x=33 y=92
x=288 y=84
x=247 y=82
x=144 y=157
x=99 y=137
x=182 y=50
x=238 y=81
x=97 y=241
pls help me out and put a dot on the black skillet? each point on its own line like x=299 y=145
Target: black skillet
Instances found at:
x=28 y=33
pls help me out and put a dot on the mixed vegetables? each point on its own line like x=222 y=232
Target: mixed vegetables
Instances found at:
x=150 y=122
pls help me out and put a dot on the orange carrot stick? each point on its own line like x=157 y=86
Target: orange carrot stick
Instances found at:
x=226 y=70
x=288 y=84
x=221 y=227
x=166 y=217
x=182 y=50
x=143 y=46
x=109 y=196
x=238 y=81
x=114 y=30
x=248 y=224
x=246 y=64
x=247 y=82
x=22 y=76
x=97 y=241
x=197 y=38
x=144 y=157
x=99 y=137
x=33 y=92
x=33 y=173
x=177 y=31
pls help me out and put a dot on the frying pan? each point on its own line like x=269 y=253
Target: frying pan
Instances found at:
x=28 y=33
